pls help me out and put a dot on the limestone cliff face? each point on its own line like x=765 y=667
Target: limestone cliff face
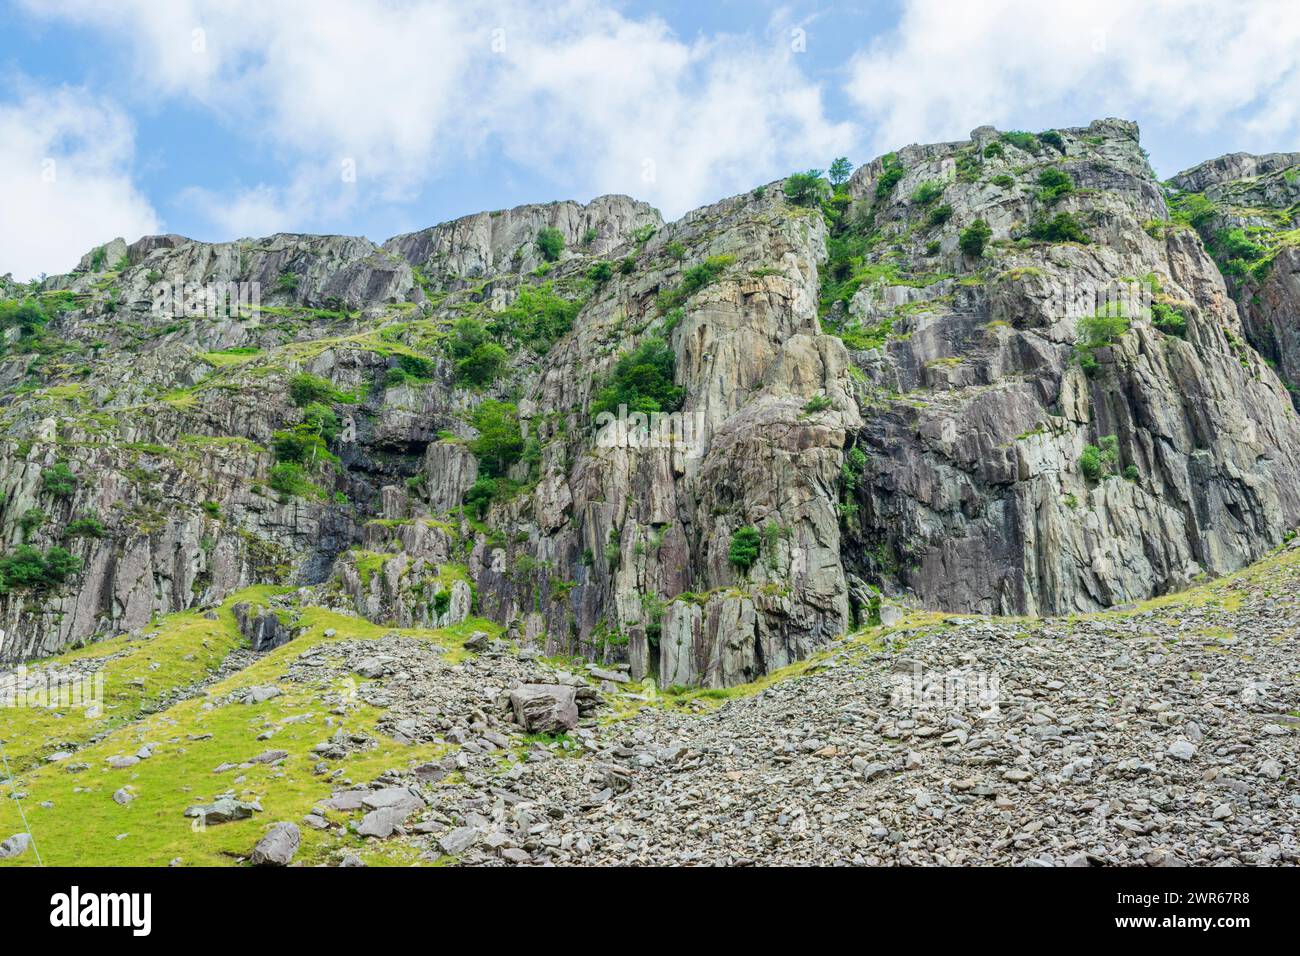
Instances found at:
x=883 y=410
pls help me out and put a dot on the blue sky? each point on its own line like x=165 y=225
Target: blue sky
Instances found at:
x=244 y=117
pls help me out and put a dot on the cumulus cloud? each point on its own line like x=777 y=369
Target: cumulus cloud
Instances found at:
x=950 y=66
x=67 y=184
x=583 y=94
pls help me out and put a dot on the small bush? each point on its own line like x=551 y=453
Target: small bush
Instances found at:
x=27 y=567
x=818 y=403
x=58 y=480
x=600 y=272
x=305 y=389
x=288 y=478
x=500 y=442
x=1168 y=319
x=939 y=215
x=642 y=380
x=87 y=526
x=746 y=543
x=211 y=508
x=550 y=243
x=974 y=237
x=927 y=192
x=286 y=281
x=1054 y=184
x=1062 y=227
x=1054 y=139
x=1101 y=462
x=482 y=366
x=806 y=189
x=889 y=177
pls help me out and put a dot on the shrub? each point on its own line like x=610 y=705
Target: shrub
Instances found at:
x=693 y=280
x=305 y=389
x=27 y=567
x=1003 y=180
x=806 y=189
x=818 y=403
x=993 y=151
x=642 y=380
x=889 y=176
x=500 y=442
x=536 y=318
x=211 y=508
x=286 y=281
x=288 y=478
x=87 y=526
x=1062 y=227
x=1053 y=139
x=675 y=250
x=600 y=272
x=550 y=243
x=939 y=215
x=480 y=495
x=1102 y=329
x=927 y=192
x=441 y=603
x=974 y=237
x=30 y=520
x=298 y=444
x=1022 y=140
x=1101 y=462
x=855 y=464
x=321 y=419
x=1168 y=319
x=58 y=480
x=482 y=366
x=1055 y=183
x=745 y=545
x=589 y=236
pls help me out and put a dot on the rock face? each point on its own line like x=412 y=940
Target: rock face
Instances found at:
x=865 y=408
x=973 y=497
x=1247 y=210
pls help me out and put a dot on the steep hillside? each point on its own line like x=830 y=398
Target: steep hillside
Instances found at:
x=906 y=388
x=1159 y=735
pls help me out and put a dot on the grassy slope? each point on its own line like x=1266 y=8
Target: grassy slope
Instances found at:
x=84 y=826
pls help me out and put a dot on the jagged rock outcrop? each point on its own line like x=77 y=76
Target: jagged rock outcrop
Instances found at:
x=1247 y=210
x=489 y=244
x=862 y=403
x=973 y=496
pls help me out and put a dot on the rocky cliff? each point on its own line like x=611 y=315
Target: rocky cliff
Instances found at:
x=703 y=448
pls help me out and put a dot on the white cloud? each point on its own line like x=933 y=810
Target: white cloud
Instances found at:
x=951 y=66
x=412 y=91
x=66 y=186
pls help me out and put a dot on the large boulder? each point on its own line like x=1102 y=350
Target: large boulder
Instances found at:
x=545 y=708
x=279 y=845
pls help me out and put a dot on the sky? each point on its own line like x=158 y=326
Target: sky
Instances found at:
x=221 y=119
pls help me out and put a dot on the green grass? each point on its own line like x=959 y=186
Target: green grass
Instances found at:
x=83 y=824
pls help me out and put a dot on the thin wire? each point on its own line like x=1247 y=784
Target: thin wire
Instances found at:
x=18 y=800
